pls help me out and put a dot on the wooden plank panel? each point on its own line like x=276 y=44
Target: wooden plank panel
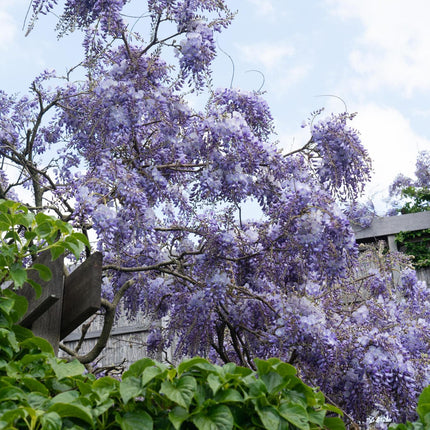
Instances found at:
x=386 y=226
x=43 y=316
x=82 y=294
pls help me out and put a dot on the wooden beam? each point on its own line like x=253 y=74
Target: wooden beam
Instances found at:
x=82 y=294
x=387 y=226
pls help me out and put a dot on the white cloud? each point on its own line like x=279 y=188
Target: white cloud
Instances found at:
x=269 y=55
x=394 y=49
x=264 y=7
x=8 y=29
x=391 y=142
x=292 y=76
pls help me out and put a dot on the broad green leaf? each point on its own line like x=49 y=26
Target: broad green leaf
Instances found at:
x=180 y=391
x=295 y=414
x=424 y=402
x=229 y=395
x=51 y=421
x=130 y=387
x=105 y=386
x=317 y=417
x=11 y=393
x=269 y=417
x=135 y=421
x=44 y=271
x=334 y=423
x=34 y=385
x=273 y=381
x=57 y=250
x=74 y=246
x=218 y=417
x=334 y=409
x=39 y=343
x=65 y=370
x=197 y=362
x=149 y=374
x=177 y=416
x=73 y=411
x=24 y=219
x=18 y=275
x=44 y=230
x=22 y=333
x=66 y=397
x=82 y=238
x=214 y=382
x=137 y=368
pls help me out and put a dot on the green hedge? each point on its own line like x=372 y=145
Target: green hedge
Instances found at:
x=40 y=391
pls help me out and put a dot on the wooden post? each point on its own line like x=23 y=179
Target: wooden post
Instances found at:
x=66 y=302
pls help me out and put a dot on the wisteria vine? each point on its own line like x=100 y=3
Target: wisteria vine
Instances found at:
x=164 y=187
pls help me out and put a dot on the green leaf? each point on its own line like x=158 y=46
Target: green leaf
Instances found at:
x=105 y=387
x=66 y=370
x=57 y=250
x=34 y=385
x=180 y=391
x=44 y=271
x=149 y=374
x=44 y=230
x=137 y=368
x=295 y=414
x=334 y=423
x=273 y=381
x=73 y=411
x=317 y=417
x=18 y=274
x=218 y=417
x=39 y=343
x=11 y=393
x=228 y=395
x=269 y=417
x=74 y=246
x=129 y=388
x=177 y=416
x=20 y=306
x=197 y=362
x=135 y=421
x=66 y=397
x=51 y=421
x=82 y=238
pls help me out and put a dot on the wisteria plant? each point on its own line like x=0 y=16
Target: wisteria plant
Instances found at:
x=161 y=187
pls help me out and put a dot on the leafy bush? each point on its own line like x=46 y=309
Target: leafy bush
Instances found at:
x=39 y=390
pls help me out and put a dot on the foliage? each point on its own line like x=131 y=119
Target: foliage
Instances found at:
x=24 y=234
x=164 y=186
x=414 y=197
x=41 y=391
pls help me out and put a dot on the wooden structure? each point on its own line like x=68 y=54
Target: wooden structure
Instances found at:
x=386 y=228
x=66 y=301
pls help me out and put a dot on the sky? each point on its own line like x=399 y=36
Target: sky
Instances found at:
x=368 y=56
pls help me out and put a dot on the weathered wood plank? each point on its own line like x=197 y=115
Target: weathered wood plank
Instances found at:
x=43 y=316
x=386 y=226
x=82 y=294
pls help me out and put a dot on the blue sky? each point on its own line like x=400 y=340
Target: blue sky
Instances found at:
x=373 y=54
